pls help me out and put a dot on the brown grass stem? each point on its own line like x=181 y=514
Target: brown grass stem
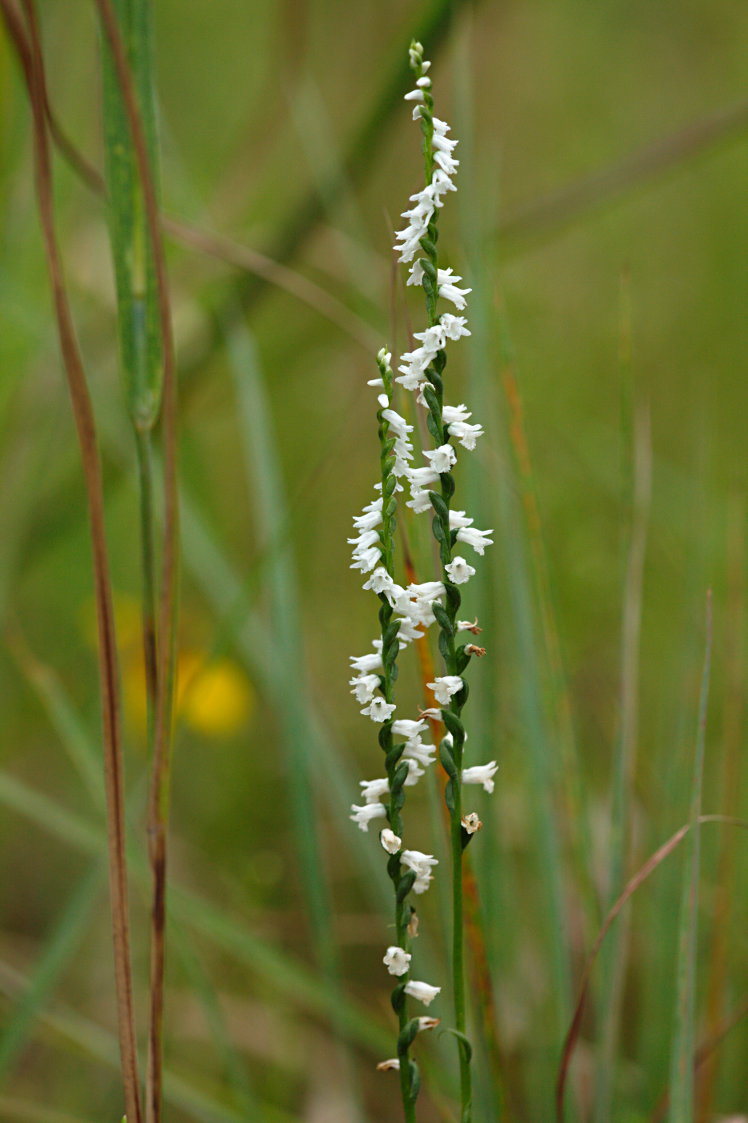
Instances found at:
x=28 y=44
x=634 y=883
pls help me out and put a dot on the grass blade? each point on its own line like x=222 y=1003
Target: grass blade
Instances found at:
x=684 y=1016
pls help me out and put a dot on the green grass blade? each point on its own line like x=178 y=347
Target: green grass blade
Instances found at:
x=141 y=351
x=684 y=1016
x=56 y=954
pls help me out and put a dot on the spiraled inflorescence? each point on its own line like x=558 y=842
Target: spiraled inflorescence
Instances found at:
x=406 y=611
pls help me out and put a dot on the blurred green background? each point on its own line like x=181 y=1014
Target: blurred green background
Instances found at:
x=613 y=316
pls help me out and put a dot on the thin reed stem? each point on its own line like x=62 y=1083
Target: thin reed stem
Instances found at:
x=108 y=661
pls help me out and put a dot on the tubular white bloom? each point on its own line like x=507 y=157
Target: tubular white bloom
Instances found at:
x=422 y=991
x=423 y=477
x=444 y=687
x=390 y=841
x=408 y=728
x=366 y=559
x=419 y=502
x=442 y=459
x=459 y=570
x=459 y=519
x=365 y=539
x=481 y=774
x=414 y=772
x=364 y=815
x=390 y=1063
x=364 y=687
x=478 y=539
x=376 y=382
x=381 y=582
x=447 y=281
x=373 y=790
x=421 y=865
x=379 y=710
x=371 y=517
x=408 y=631
x=469 y=626
x=365 y=664
x=397 y=424
x=397 y=960
x=466 y=434
x=384 y=357
x=432 y=339
x=414 y=95
x=454 y=327
x=416 y=750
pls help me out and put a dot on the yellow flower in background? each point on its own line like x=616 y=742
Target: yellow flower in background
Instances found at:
x=214 y=697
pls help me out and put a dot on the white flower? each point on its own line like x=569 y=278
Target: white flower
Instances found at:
x=366 y=559
x=414 y=772
x=454 y=327
x=421 y=865
x=467 y=435
x=432 y=339
x=423 y=477
x=397 y=424
x=447 y=282
x=390 y=841
x=458 y=569
x=416 y=750
x=407 y=728
x=379 y=710
x=364 y=815
x=397 y=960
x=481 y=774
x=373 y=790
x=478 y=539
x=414 y=95
x=381 y=582
x=440 y=185
x=420 y=501
x=428 y=1023
x=371 y=517
x=390 y=1063
x=365 y=664
x=384 y=357
x=471 y=823
x=422 y=991
x=469 y=626
x=364 y=687
x=444 y=687
x=408 y=631
x=459 y=519
x=442 y=459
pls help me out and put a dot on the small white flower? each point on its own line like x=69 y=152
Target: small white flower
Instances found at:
x=381 y=582
x=447 y=281
x=392 y=1063
x=424 y=82
x=481 y=774
x=421 y=865
x=365 y=664
x=397 y=960
x=384 y=357
x=458 y=519
x=414 y=95
x=458 y=569
x=415 y=275
x=408 y=728
x=414 y=772
x=478 y=539
x=397 y=424
x=422 y=991
x=390 y=841
x=364 y=687
x=371 y=517
x=416 y=750
x=467 y=435
x=366 y=559
x=471 y=823
x=423 y=477
x=469 y=626
x=409 y=630
x=364 y=815
x=428 y=1023
x=379 y=710
x=420 y=501
x=442 y=459
x=454 y=327
x=373 y=790
x=444 y=687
